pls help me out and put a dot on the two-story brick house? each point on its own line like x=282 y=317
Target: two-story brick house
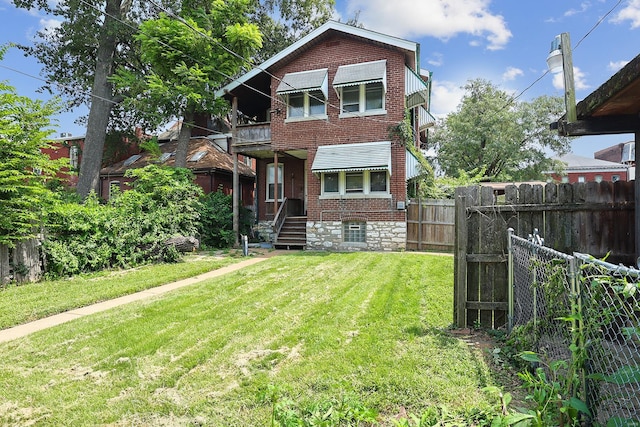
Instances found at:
x=321 y=114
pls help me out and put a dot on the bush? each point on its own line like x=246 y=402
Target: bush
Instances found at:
x=216 y=220
x=127 y=231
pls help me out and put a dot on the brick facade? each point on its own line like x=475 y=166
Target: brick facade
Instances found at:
x=294 y=142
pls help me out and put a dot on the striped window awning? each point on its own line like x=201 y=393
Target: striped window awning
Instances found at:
x=365 y=72
x=425 y=119
x=305 y=81
x=353 y=157
x=416 y=90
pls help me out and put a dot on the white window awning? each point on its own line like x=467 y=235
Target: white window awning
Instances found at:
x=353 y=157
x=412 y=166
x=425 y=119
x=365 y=72
x=305 y=81
x=416 y=90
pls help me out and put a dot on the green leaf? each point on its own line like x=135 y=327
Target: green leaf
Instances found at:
x=578 y=405
x=530 y=356
x=624 y=375
x=516 y=418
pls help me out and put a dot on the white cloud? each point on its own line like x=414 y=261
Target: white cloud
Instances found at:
x=445 y=97
x=47 y=25
x=617 y=65
x=512 y=73
x=436 y=59
x=584 y=6
x=579 y=80
x=437 y=18
x=631 y=12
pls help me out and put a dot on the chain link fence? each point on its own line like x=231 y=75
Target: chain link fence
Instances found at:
x=583 y=311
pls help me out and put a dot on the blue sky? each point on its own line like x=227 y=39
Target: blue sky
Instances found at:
x=503 y=41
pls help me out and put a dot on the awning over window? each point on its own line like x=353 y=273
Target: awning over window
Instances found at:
x=366 y=72
x=353 y=157
x=416 y=90
x=305 y=81
x=412 y=166
x=425 y=119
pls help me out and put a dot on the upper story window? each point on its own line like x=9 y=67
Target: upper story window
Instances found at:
x=310 y=104
x=362 y=88
x=305 y=94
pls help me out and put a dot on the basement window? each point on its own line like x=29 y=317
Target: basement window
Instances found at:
x=354 y=231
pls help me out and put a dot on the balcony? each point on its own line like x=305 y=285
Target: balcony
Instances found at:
x=254 y=140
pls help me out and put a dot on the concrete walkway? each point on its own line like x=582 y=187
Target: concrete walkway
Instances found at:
x=47 y=322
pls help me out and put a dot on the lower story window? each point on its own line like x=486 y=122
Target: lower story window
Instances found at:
x=354 y=231
x=114 y=188
x=354 y=182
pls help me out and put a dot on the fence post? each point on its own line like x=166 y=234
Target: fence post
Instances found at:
x=577 y=325
x=510 y=279
x=460 y=260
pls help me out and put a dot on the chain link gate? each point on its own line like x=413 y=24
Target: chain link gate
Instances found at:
x=557 y=301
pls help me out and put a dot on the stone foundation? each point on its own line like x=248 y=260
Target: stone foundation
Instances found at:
x=263 y=231
x=380 y=236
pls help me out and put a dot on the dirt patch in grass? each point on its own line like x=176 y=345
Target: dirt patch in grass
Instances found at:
x=21 y=415
x=265 y=359
x=490 y=349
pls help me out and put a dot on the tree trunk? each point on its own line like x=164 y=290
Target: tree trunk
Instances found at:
x=101 y=102
x=183 y=139
x=4 y=265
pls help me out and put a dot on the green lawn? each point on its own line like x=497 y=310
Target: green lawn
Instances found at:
x=25 y=303
x=301 y=333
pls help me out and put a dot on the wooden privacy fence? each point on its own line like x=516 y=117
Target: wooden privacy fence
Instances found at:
x=431 y=225
x=592 y=218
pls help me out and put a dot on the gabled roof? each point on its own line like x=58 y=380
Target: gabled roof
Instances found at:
x=580 y=163
x=209 y=157
x=330 y=26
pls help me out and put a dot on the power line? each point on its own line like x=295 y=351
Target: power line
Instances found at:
x=574 y=48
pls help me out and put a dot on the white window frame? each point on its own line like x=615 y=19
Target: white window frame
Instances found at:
x=113 y=184
x=615 y=178
x=270 y=180
x=354 y=232
x=362 y=101
x=306 y=106
x=366 y=186
x=74 y=152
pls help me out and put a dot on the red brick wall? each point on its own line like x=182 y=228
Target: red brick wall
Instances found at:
x=308 y=135
x=591 y=176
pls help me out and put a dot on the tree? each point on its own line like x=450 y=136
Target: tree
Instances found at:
x=188 y=57
x=490 y=132
x=95 y=38
x=78 y=59
x=24 y=169
x=296 y=19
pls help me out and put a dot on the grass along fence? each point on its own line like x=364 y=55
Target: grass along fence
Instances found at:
x=296 y=335
x=583 y=312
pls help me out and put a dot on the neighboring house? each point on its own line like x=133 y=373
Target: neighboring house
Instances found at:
x=625 y=153
x=207 y=158
x=584 y=169
x=318 y=117
x=67 y=147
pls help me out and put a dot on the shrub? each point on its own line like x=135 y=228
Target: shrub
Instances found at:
x=130 y=229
